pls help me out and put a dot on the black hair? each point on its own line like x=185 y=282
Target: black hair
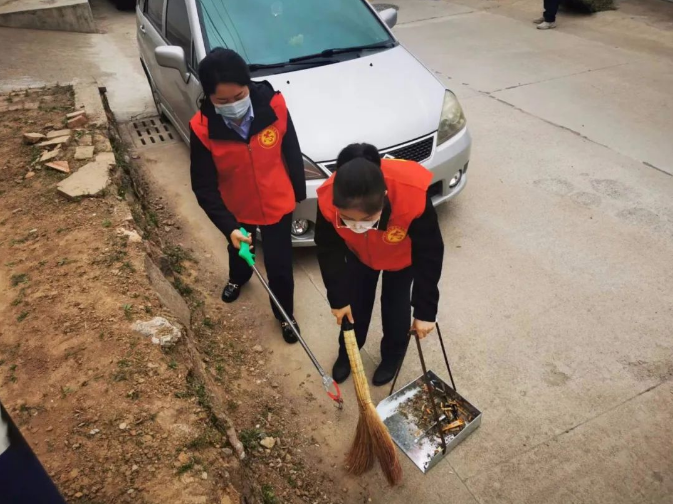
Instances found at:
x=222 y=66
x=359 y=150
x=359 y=184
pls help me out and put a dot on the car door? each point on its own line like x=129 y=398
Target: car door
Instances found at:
x=150 y=21
x=180 y=95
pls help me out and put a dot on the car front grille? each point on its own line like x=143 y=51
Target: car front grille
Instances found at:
x=418 y=150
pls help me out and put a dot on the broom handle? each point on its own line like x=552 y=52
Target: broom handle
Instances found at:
x=353 y=350
x=430 y=388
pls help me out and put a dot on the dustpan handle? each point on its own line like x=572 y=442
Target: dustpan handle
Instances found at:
x=430 y=389
x=446 y=359
x=399 y=366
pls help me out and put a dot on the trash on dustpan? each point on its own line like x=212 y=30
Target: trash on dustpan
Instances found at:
x=427 y=418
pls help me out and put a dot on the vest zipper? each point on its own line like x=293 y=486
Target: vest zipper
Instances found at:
x=254 y=174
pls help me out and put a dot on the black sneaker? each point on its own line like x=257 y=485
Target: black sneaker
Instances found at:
x=231 y=292
x=342 y=368
x=385 y=372
x=288 y=334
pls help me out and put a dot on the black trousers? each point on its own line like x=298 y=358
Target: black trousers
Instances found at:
x=395 y=306
x=550 y=10
x=277 y=261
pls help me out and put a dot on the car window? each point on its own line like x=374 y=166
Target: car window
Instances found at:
x=273 y=31
x=177 y=26
x=154 y=9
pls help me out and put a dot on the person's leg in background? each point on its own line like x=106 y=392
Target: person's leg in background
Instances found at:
x=396 y=318
x=239 y=271
x=549 y=18
x=362 y=282
x=277 y=241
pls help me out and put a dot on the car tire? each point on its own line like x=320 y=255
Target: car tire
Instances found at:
x=125 y=4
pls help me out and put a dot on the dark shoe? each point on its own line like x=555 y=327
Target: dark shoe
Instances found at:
x=385 y=372
x=341 y=369
x=288 y=334
x=231 y=292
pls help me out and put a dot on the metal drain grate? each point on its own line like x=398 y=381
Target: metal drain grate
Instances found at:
x=150 y=132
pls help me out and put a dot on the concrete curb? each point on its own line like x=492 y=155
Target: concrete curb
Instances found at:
x=61 y=15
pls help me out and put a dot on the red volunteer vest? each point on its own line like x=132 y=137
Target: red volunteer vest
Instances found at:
x=388 y=249
x=252 y=178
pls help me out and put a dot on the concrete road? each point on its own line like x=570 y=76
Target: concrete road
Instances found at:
x=556 y=297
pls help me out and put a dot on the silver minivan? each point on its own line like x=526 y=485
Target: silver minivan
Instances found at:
x=343 y=73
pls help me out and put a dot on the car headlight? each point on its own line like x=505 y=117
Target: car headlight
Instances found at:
x=312 y=171
x=452 y=119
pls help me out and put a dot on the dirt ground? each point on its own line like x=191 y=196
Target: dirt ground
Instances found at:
x=112 y=416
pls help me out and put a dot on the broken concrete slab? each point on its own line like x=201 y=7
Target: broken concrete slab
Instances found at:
x=61 y=166
x=102 y=143
x=32 y=138
x=72 y=115
x=132 y=235
x=85 y=140
x=59 y=133
x=64 y=140
x=84 y=152
x=161 y=331
x=168 y=296
x=49 y=155
x=87 y=97
x=90 y=180
x=77 y=122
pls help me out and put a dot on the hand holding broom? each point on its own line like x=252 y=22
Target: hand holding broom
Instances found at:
x=372 y=439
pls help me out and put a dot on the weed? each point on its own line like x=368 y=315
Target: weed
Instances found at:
x=183 y=288
x=219 y=369
x=183 y=394
x=148 y=309
x=19 y=298
x=268 y=496
x=12 y=376
x=152 y=217
x=188 y=466
x=10 y=264
x=232 y=405
x=12 y=368
x=41 y=263
x=134 y=395
x=127 y=266
x=128 y=311
x=124 y=363
x=208 y=322
x=19 y=279
x=64 y=261
x=61 y=230
x=107 y=223
x=22 y=316
x=120 y=375
x=176 y=255
x=65 y=391
x=198 y=442
x=250 y=438
x=173 y=365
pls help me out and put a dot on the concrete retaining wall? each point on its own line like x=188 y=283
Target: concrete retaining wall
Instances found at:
x=61 y=15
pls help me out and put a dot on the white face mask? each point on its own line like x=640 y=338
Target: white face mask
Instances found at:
x=360 y=226
x=234 y=111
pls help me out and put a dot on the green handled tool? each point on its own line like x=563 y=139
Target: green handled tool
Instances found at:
x=327 y=381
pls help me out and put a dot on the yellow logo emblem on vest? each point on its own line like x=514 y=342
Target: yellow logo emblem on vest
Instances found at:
x=269 y=137
x=394 y=234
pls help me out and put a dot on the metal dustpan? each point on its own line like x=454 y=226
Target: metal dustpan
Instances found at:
x=427 y=418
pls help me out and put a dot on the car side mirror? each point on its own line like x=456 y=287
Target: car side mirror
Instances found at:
x=172 y=57
x=389 y=17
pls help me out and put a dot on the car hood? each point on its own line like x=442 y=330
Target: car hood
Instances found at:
x=385 y=99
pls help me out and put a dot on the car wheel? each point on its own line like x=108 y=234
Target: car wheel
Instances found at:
x=157 y=101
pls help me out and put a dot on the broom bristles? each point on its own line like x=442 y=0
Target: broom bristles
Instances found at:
x=372 y=438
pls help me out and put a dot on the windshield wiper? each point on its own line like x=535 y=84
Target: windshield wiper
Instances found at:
x=344 y=50
x=292 y=62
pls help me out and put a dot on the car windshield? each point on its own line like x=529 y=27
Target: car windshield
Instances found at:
x=276 y=31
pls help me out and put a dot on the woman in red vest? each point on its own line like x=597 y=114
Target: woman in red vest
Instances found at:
x=376 y=216
x=247 y=171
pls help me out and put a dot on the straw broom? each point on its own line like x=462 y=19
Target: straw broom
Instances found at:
x=372 y=439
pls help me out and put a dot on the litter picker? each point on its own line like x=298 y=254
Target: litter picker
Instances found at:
x=372 y=439
x=327 y=381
